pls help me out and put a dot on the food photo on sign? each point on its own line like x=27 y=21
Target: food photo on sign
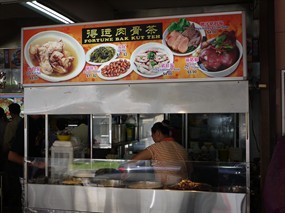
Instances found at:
x=189 y=48
x=54 y=56
x=102 y=53
x=183 y=37
x=115 y=69
x=152 y=60
x=107 y=62
x=215 y=57
x=220 y=56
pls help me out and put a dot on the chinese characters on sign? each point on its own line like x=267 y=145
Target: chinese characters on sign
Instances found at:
x=175 y=48
x=122 y=33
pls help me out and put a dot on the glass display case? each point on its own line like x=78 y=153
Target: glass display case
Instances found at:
x=213 y=172
x=113 y=183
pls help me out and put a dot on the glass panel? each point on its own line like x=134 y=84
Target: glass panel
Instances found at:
x=35 y=136
x=207 y=136
x=67 y=131
x=225 y=177
x=101 y=131
x=217 y=137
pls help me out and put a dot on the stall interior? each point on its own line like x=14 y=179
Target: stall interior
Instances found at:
x=102 y=164
x=73 y=130
x=219 y=137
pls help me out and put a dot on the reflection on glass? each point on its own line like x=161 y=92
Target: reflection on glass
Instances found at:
x=225 y=177
x=217 y=136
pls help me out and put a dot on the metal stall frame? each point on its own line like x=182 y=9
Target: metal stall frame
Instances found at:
x=183 y=97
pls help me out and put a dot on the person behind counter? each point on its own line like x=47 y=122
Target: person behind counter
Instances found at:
x=168 y=157
x=81 y=132
x=173 y=131
x=3 y=124
x=15 y=110
x=15 y=164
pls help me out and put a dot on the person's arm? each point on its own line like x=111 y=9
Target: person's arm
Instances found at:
x=8 y=136
x=16 y=152
x=143 y=155
x=15 y=157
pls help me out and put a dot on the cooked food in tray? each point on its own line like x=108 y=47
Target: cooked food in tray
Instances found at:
x=107 y=183
x=72 y=181
x=145 y=185
x=189 y=185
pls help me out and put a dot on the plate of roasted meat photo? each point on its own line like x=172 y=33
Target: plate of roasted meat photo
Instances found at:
x=183 y=37
x=152 y=59
x=56 y=56
x=220 y=56
x=115 y=69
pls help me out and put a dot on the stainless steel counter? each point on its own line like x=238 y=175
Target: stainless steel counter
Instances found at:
x=63 y=198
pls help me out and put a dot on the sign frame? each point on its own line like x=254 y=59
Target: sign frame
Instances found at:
x=31 y=83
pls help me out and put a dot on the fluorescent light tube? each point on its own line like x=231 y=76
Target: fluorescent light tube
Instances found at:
x=38 y=6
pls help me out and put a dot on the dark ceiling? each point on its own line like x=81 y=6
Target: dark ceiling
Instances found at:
x=14 y=15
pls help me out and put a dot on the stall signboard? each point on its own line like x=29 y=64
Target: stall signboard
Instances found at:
x=174 y=49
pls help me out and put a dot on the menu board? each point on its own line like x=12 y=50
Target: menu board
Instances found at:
x=10 y=64
x=10 y=58
x=175 y=48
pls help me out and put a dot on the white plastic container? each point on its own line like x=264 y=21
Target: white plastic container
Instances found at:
x=61 y=158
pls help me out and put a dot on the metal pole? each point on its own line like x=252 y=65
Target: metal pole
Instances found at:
x=25 y=181
x=46 y=145
x=91 y=136
x=185 y=128
x=247 y=162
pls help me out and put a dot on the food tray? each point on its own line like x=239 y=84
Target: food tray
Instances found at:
x=107 y=183
x=145 y=185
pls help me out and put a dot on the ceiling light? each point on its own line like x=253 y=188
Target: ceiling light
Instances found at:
x=48 y=11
